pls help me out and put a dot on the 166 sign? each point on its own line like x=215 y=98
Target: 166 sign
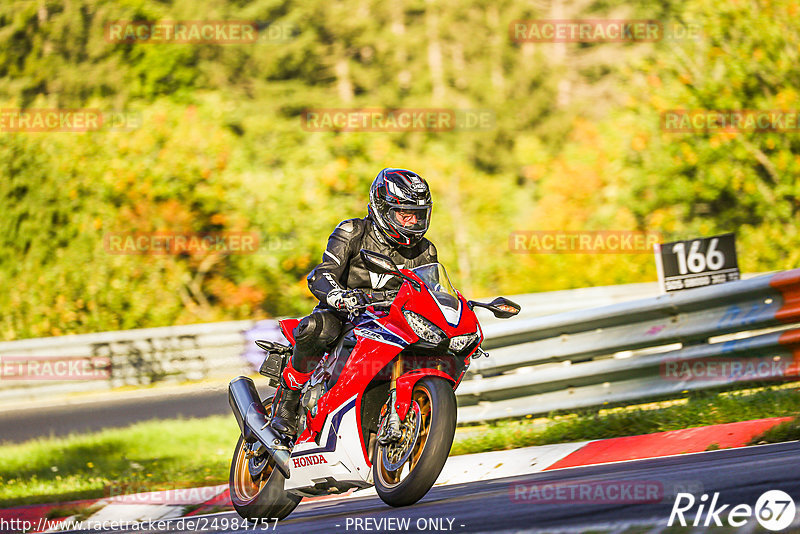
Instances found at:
x=697 y=262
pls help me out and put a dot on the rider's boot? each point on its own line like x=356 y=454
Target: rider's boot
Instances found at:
x=286 y=403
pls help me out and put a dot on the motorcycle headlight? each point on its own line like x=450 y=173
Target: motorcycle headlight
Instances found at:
x=459 y=343
x=424 y=328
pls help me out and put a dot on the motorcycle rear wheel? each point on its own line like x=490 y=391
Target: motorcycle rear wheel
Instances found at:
x=261 y=498
x=433 y=405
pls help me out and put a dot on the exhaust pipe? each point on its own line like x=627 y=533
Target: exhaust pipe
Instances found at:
x=254 y=422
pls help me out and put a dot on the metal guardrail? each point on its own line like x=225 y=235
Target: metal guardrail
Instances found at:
x=617 y=350
x=189 y=352
x=130 y=357
x=696 y=339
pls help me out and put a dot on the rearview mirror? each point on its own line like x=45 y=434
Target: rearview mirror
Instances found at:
x=501 y=307
x=377 y=263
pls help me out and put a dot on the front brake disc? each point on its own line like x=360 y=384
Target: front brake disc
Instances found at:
x=395 y=455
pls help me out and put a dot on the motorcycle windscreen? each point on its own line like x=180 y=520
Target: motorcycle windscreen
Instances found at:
x=435 y=278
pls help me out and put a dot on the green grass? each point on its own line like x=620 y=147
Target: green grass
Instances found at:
x=788 y=431
x=151 y=455
x=196 y=452
x=698 y=409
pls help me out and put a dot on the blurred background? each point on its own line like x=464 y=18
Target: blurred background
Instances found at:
x=213 y=138
x=219 y=146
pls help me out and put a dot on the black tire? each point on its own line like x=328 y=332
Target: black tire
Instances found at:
x=264 y=497
x=429 y=455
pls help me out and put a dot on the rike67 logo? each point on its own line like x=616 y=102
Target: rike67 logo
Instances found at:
x=774 y=510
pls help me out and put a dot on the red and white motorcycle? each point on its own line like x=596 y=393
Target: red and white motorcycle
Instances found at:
x=380 y=407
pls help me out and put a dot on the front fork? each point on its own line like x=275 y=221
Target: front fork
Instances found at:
x=390 y=421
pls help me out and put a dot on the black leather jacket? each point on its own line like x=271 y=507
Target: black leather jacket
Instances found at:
x=342 y=267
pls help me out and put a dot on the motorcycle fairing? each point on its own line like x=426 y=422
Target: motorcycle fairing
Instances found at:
x=451 y=315
x=345 y=470
x=366 y=360
x=378 y=332
x=405 y=385
x=329 y=443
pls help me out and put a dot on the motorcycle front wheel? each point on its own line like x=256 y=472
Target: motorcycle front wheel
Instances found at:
x=262 y=496
x=403 y=472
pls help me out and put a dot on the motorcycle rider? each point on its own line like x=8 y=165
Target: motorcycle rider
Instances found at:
x=398 y=215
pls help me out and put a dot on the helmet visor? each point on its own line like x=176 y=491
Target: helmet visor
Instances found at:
x=410 y=218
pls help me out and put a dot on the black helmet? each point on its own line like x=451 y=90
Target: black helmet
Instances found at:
x=400 y=204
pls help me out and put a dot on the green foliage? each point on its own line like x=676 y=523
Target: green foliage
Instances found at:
x=709 y=182
x=576 y=145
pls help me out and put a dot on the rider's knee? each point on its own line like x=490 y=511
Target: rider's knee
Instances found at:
x=312 y=335
x=319 y=329
x=308 y=330
x=331 y=328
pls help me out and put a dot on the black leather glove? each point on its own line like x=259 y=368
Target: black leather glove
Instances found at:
x=350 y=299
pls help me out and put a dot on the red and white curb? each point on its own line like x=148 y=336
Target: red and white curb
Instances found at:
x=171 y=504
x=669 y=443
x=498 y=464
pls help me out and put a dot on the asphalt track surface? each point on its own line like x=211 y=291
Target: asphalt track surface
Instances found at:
x=22 y=423
x=739 y=475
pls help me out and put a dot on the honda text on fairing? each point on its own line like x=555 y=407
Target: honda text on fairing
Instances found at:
x=380 y=407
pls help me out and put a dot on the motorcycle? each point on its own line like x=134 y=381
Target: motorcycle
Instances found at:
x=379 y=408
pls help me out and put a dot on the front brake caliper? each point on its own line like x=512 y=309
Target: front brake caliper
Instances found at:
x=389 y=428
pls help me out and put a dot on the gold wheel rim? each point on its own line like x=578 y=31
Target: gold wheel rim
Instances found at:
x=422 y=397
